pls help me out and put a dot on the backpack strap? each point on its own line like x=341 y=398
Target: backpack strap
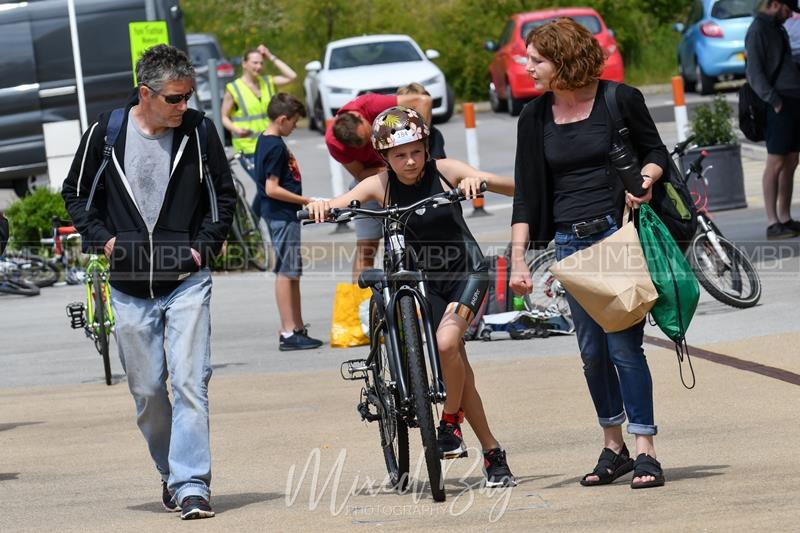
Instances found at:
x=610 y=95
x=112 y=132
x=202 y=136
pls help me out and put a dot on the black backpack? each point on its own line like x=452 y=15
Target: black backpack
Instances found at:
x=672 y=201
x=753 y=111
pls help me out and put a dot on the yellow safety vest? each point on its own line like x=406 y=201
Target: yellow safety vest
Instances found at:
x=250 y=112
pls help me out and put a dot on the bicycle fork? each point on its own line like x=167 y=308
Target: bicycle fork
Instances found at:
x=715 y=244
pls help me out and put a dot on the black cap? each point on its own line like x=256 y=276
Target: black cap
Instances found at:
x=791 y=4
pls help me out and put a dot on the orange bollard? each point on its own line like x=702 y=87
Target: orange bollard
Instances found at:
x=681 y=116
x=473 y=159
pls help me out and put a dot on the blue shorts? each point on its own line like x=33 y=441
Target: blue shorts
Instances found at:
x=285 y=235
x=783 y=129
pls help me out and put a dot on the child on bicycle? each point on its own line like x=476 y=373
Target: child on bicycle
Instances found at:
x=452 y=260
x=280 y=199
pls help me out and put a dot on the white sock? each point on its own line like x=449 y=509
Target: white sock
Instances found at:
x=287 y=334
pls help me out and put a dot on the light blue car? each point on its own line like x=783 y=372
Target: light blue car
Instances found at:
x=712 y=42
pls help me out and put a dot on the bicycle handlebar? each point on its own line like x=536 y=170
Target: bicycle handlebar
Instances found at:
x=342 y=214
x=680 y=148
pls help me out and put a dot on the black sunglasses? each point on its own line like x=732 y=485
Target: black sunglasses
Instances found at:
x=172 y=99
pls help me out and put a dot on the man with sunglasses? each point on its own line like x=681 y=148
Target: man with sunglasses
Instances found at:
x=160 y=219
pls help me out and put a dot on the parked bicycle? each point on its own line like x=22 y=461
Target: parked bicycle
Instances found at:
x=65 y=243
x=14 y=279
x=96 y=317
x=402 y=373
x=247 y=231
x=720 y=266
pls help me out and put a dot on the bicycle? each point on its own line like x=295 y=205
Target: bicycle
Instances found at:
x=246 y=228
x=721 y=268
x=401 y=384
x=65 y=238
x=13 y=279
x=97 y=316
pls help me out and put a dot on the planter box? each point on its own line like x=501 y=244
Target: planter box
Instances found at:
x=725 y=180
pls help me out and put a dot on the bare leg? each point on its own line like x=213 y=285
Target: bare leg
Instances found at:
x=613 y=440
x=287 y=295
x=769 y=182
x=460 y=379
x=365 y=257
x=786 y=187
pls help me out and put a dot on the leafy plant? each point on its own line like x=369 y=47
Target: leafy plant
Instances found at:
x=31 y=218
x=712 y=124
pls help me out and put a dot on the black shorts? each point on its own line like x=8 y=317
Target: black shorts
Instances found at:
x=467 y=293
x=783 y=129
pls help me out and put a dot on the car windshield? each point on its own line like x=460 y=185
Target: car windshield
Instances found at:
x=590 y=22
x=359 y=55
x=201 y=53
x=732 y=9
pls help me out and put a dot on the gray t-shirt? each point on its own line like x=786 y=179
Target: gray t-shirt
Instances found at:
x=147 y=159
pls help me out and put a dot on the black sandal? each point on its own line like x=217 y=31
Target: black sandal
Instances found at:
x=647 y=466
x=609 y=467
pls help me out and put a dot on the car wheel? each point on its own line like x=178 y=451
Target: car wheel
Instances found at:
x=497 y=104
x=318 y=117
x=703 y=84
x=515 y=105
x=688 y=85
x=451 y=102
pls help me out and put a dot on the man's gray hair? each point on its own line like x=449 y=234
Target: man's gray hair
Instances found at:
x=161 y=64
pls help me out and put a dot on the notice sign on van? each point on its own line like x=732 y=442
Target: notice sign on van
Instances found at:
x=143 y=36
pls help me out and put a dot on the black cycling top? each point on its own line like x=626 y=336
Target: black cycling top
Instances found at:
x=444 y=246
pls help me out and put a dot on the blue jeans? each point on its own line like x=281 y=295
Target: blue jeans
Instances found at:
x=170 y=336
x=614 y=364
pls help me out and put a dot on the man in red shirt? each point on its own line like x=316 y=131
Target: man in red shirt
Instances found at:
x=349 y=143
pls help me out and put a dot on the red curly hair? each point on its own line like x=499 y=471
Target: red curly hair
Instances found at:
x=576 y=55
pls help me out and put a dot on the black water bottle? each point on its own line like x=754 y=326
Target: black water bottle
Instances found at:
x=627 y=167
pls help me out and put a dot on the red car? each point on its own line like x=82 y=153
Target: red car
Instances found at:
x=510 y=87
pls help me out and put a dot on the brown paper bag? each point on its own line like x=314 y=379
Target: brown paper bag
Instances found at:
x=610 y=280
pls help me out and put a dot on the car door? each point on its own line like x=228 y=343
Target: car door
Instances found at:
x=690 y=37
x=21 y=150
x=501 y=57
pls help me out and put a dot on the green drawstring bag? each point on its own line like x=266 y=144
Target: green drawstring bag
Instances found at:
x=675 y=282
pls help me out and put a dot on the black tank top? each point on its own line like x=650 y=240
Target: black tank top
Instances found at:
x=444 y=246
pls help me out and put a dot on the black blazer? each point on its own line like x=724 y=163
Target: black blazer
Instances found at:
x=533 y=180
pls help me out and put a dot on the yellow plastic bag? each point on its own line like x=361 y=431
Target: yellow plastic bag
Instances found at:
x=346 y=329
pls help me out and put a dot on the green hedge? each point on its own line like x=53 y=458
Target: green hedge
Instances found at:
x=298 y=30
x=31 y=218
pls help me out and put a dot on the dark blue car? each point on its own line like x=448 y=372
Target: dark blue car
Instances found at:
x=712 y=42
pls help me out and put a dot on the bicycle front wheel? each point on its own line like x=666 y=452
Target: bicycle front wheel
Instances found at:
x=734 y=281
x=100 y=331
x=420 y=391
x=17 y=286
x=34 y=269
x=393 y=429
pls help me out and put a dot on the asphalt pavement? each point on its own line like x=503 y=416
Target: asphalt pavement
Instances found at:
x=73 y=459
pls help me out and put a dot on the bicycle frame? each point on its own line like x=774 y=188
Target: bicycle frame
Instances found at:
x=96 y=264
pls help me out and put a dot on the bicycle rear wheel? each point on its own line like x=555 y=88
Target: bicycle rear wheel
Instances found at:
x=248 y=234
x=393 y=429
x=547 y=293
x=734 y=282
x=420 y=392
x=99 y=329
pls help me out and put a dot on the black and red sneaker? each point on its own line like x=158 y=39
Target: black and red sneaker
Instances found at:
x=450 y=441
x=497 y=472
x=193 y=507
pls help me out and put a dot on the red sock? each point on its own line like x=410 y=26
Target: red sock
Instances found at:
x=453 y=418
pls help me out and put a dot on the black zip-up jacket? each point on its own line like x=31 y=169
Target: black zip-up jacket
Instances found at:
x=533 y=179
x=144 y=264
x=770 y=70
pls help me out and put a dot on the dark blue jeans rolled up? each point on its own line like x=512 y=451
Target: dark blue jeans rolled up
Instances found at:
x=614 y=364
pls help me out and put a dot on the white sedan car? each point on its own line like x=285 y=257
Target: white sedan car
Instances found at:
x=372 y=64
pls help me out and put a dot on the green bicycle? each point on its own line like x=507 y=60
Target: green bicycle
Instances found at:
x=95 y=317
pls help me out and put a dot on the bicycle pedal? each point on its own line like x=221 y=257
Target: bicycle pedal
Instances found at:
x=76 y=314
x=354 y=369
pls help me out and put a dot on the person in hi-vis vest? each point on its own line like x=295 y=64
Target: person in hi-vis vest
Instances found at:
x=244 y=106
